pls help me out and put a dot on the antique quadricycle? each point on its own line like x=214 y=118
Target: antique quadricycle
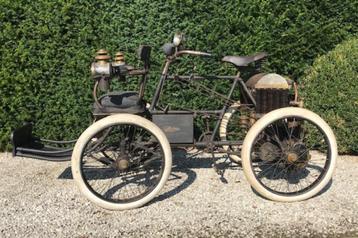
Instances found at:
x=124 y=158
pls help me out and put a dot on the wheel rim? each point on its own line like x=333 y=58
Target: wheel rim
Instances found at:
x=122 y=163
x=231 y=129
x=290 y=156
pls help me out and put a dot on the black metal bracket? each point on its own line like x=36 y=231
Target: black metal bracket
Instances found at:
x=27 y=145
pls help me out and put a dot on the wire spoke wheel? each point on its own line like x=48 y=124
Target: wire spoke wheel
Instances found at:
x=126 y=166
x=289 y=154
x=122 y=163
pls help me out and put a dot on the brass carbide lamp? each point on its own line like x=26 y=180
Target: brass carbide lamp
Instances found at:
x=101 y=66
x=101 y=69
x=118 y=59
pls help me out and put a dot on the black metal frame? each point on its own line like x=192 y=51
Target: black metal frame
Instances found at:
x=236 y=81
x=27 y=145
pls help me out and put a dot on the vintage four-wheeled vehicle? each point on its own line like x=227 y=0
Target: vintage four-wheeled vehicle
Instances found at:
x=124 y=158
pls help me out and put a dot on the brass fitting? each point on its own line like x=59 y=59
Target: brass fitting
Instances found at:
x=101 y=66
x=252 y=118
x=119 y=58
x=244 y=121
x=102 y=56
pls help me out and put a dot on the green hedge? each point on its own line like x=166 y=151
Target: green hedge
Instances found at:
x=331 y=90
x=46 y=46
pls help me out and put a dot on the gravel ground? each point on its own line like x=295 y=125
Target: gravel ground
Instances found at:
x=40 y=199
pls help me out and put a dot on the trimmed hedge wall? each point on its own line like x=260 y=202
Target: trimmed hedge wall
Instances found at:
x=331 y=90
x=46 y=47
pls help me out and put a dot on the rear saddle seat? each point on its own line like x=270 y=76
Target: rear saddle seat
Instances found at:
x=242 y=61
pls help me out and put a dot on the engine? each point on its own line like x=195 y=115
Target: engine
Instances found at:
x=271 y=91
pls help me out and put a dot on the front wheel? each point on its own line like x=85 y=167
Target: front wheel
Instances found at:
x=289 y=154
x=121 y=161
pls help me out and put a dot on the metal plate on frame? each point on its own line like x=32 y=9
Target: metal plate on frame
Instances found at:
x=179 y=128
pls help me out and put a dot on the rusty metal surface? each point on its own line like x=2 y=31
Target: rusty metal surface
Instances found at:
x=192 y=52
x=179 y=128
x=271 y=99
x=199 y=77
x=262 y=100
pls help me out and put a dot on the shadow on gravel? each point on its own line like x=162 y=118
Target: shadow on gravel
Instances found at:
x=183 y=175
x=183 y=163
x=325 y=189
x=190 y=178
x=66 y=174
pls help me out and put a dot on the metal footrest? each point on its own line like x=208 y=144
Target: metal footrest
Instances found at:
x=25 y=144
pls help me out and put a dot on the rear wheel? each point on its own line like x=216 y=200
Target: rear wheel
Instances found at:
x=289 y=154
x=121 y=162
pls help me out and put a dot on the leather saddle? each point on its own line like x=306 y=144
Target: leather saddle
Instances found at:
x=240 y=61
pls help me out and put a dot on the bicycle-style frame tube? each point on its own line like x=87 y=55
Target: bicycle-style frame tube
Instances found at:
x=160 y=85
x=237 y=80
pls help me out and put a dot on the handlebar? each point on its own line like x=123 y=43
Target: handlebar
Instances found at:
x=173 y=51
x=192 y=52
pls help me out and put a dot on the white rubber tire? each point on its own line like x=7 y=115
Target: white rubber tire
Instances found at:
x=264 y=122
x=223 y=129
x=110 y=121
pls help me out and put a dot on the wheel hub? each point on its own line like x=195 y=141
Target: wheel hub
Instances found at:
x=292 y=157
x=122 y=163
x=298 y=155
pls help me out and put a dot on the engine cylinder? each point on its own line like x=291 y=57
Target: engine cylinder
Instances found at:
x=271 y=92
x=271 y=99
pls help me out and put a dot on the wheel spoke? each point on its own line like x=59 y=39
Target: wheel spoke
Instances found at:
x=126 y=165
x=294 y=168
